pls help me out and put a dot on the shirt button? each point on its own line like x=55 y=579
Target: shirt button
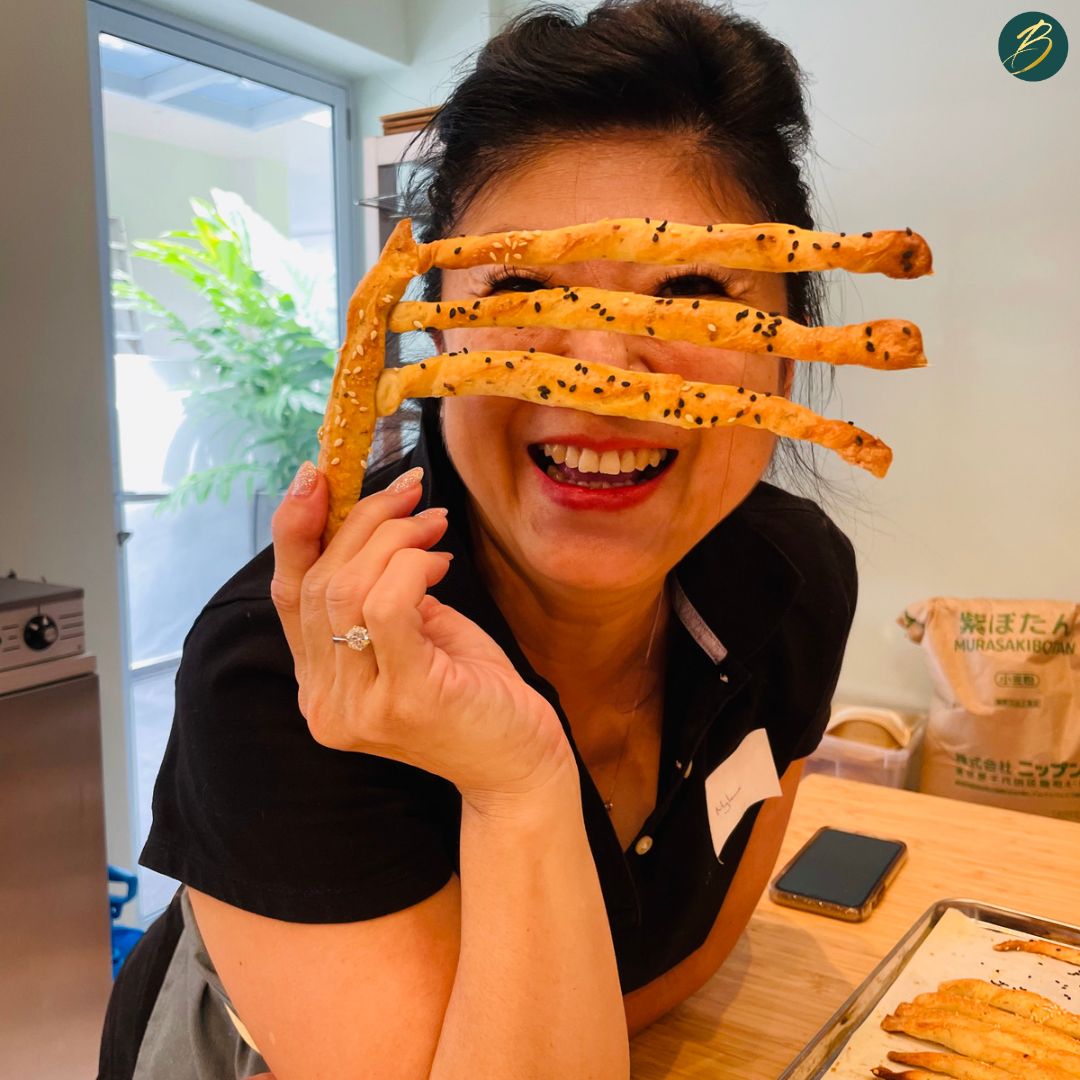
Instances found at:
x=686 y=775
x=644 y=845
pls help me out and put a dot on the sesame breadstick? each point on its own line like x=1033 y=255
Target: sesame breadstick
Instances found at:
x=1041 y=948
x=951 y=1065
x=600 y=388
x=912 y=1074
x=1024 y=1003
x=1036 y=1034
x=967 y=1068
x=349 y=423
x=981 y=1041
x=886 y=344
x=770 y=246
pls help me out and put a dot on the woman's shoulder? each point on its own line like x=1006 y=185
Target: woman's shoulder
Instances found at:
x=804 y=534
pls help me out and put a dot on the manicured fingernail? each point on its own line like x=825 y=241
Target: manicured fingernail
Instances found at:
x=433 y=512
x=304 y=482
x=405 y=481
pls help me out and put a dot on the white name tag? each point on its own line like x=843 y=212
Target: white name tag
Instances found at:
x=747 y=777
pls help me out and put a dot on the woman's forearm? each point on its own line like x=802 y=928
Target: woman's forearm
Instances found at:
x=536 y=993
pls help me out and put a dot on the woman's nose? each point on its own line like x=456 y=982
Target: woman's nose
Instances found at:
x=603 y=347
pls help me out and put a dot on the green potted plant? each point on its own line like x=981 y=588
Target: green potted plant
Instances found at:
x=264 y=352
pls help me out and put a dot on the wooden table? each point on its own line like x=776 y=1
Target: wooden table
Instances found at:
x=791 y=970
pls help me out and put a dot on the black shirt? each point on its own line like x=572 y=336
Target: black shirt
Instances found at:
x=250 y=809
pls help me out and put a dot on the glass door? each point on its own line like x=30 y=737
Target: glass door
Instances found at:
x=225 y=201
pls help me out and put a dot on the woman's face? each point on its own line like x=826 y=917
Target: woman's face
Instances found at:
x=599 y=541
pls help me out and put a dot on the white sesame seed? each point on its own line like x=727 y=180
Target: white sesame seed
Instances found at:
x=335 y=460
x=360 y=314
x=338 y=442
x=363 y=408
x=388 y=298
x=517 y=255
x=625 y=300
x=374 y=334
x=494 y=257
x=496 y=244
x=712 y=328
x=418 y=324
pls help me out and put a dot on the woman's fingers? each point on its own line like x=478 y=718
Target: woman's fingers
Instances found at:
x=297 y=528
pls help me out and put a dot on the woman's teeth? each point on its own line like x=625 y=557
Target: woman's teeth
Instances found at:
x=626 y=467
x=610 y=462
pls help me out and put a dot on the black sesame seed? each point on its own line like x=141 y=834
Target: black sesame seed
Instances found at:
x=907 y=330
x=761 y=236
x=753 y=397
x=908 y=230
x=682 y=404
x=662 y=226
x=791 y=256
x=457 y=251
x=791 y=232
x=858 y=440
x=757 y=327
x=836 y=244
x=473 y=318
x=739 y=413
x=487 y=359
x=655 y=237
x=742 y=314
x=678 y=413
x=886 y=354
x=794 y=245
x=699 y=420
x=760 y=314
x=650 y=331
x=696 y=304
x=646 y=395
x=532 y=348
x=909 y=254
x=448 y=387
x=510 y=364
x=667 y=412
x=561 y=383
x=869 y=331
x=648 y=221
x=868 y=235
x=573 y=387
x=708 y=228
x=597 y=389
x=438 y=309
x=603 y=311
x=610 y=318
x=700 y=394
x=573 y=297
x=714 y=419
x=843 y=234
x=869 y=346
x=584 y=370
x=423 y=366
x=577 y=367
x=768 y=348
x=611 y=378
x=817 y=247
x=537 y=307
x=741 y=390
x=624 y=384
x=594 y=307
x=464 y=350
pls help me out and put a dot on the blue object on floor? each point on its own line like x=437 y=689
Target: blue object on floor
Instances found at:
x=123 y=937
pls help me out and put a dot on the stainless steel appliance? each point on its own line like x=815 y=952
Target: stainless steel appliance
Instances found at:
x=55 y=961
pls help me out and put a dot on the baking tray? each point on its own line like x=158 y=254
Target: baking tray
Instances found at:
x=826 y=1046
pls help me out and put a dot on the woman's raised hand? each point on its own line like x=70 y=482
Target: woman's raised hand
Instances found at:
x=432 y=689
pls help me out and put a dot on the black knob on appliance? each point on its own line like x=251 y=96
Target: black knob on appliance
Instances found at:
x=40 y=632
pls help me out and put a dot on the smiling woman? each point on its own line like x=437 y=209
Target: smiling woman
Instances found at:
x=470 y=818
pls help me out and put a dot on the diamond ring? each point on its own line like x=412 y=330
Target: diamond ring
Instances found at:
x=356 y=638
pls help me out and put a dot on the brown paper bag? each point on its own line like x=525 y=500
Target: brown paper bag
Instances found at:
x=1004 y=727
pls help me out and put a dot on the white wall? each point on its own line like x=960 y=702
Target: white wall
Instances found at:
x=57 y=513
x=917 y=124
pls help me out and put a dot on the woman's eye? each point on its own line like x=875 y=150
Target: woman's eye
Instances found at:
x=514 y=283
x=692 y=285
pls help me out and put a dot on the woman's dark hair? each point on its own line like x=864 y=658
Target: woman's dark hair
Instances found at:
x=672 y=67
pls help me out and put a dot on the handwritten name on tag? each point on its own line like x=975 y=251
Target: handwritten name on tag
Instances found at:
x=748 y=776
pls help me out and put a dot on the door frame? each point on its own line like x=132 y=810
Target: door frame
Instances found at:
x=135 y=22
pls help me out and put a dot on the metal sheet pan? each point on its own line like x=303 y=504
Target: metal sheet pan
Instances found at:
x=823 y=1050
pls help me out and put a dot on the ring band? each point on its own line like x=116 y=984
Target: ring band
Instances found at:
x=355 y=637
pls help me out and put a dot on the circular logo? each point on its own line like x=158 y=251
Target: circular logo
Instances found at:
x=1033 y=46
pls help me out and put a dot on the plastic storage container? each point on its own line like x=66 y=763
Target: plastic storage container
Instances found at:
x=874 y=745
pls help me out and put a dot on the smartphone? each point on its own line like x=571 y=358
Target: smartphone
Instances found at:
x=839 y=874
